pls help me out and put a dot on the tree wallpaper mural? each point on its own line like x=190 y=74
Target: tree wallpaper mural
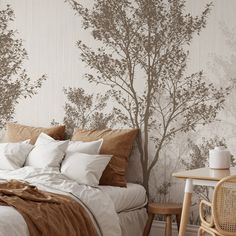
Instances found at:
x=145 y=42
x=224 y=67
x=166 y=67
x=84 y=111
x=15 y=84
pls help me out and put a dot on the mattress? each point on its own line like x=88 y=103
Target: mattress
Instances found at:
x=125 y=199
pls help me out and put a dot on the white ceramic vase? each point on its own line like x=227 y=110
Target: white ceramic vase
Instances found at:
x=219 y=158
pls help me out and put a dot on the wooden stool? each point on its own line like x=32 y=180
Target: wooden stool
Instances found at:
x=166 y=209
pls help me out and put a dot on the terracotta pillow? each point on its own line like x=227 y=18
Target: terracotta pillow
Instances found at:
x=116 y=142
x=17 y=133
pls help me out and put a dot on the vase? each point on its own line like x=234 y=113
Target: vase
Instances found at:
x=219 y=158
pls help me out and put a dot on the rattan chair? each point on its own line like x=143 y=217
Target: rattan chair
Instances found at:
x=219 y=217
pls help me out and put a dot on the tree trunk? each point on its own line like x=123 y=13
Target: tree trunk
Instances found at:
x=146 y=176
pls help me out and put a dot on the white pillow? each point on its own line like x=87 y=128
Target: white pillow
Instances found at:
x=47 y=152
x=45 y=139
x=85 y=147
x=13 y=155
x=84 y=168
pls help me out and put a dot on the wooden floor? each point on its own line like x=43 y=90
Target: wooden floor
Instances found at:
x=158 y=228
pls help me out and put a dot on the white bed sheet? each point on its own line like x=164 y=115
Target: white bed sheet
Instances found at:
x=12 y=222
x=133 y=222
x=125 y=199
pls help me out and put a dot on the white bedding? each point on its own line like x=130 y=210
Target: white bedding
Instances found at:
x=12 y=223
x=124 y=199
x=133 y=222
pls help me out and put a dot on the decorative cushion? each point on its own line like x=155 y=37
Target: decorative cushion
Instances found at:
x=117 y=142
x=84 y=168
x=13 y=155
x=47 y=152
x=17 y=133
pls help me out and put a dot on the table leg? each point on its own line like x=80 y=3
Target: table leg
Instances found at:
x=178 y=218
x=186 y=207
x=168 y=230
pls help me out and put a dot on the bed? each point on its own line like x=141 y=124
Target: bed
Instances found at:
x=69 y=187
x=121 y=211
x=129 y=204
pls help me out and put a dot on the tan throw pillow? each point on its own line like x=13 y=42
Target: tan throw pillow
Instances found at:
x=117 y=142
x=17 y=133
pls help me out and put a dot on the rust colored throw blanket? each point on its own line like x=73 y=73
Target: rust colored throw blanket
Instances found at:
x=47 y=214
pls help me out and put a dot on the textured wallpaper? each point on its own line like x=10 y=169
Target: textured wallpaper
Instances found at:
x=166 y=67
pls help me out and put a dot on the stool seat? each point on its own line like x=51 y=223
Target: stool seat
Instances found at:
x=165 y=209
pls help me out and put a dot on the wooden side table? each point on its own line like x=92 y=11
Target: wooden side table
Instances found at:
x=198 y=177
x=166 y=209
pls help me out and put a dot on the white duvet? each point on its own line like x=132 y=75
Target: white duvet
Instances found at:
x=98 y=203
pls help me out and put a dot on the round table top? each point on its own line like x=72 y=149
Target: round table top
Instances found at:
x=165 y=208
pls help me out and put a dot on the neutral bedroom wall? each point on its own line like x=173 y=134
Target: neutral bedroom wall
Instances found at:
x=50 y=30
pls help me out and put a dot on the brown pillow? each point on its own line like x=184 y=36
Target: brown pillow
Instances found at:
x=117 y=142
x=17 y=133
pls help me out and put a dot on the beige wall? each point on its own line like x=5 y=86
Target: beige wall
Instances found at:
x=50 y=30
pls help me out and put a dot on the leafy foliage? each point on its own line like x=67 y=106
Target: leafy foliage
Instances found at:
x=199 y=154
x=142 y=61
x=15 y=84
x=82 y=110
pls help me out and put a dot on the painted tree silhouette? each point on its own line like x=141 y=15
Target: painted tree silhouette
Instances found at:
x=142 y=60
x=14 y=81
x=84 y=111
x=225 y=71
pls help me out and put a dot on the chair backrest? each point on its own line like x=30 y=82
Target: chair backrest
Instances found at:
x=224 y=206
